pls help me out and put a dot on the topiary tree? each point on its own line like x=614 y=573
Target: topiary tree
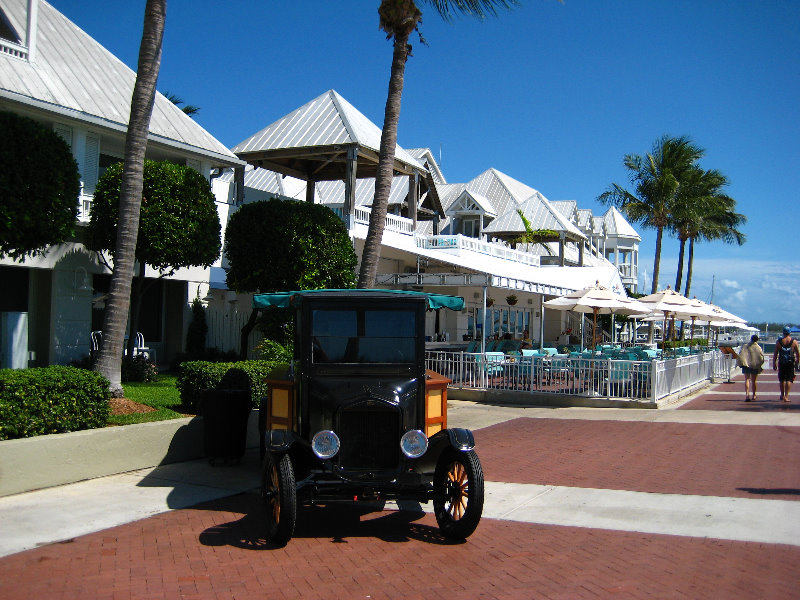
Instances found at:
x=198 y=330
x=39 y=187
x=178 y=224
x=282 y=245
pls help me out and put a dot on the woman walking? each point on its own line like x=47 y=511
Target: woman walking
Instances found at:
x=751 y=359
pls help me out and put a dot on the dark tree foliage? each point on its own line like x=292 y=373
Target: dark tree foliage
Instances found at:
x=282 y=245
x=178 y=225
x=198 y=329
x=39 y=187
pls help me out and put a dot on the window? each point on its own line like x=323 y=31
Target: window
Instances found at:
x=363 y=336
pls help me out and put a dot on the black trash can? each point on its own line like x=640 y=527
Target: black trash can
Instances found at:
x=225 y=415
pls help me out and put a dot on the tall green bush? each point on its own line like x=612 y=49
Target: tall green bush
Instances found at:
x=197 y=377
x=51 y=400
x=39 y=186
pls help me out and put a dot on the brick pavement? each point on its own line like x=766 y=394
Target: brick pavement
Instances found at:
x=746 y=461
x=213 y=550
x=730 y=396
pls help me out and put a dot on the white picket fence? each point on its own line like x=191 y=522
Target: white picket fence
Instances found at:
x=225 y=330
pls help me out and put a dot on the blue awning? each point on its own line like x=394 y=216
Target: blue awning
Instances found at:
x=290 y=299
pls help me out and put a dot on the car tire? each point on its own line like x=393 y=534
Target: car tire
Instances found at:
x=278 y=498
x=458 y=493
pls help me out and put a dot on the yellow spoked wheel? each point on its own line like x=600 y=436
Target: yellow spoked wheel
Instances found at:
x=458 y=493
x=278 y=497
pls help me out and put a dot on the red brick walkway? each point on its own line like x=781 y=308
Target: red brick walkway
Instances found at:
x=746 y=461
x=214 y=552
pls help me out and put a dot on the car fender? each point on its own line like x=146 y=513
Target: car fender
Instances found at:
x=280 y=440
x=457 y=438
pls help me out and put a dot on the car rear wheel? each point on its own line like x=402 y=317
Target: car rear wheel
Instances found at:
x=278 y=497
x=458 y=493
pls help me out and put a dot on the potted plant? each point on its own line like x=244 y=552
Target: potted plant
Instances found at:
x=489 y=301
x=512 y=300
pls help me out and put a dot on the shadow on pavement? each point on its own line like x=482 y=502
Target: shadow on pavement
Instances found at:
x=772 y=491
x=338 y=522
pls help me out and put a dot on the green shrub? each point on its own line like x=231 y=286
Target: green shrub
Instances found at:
x=138 y=368
x=51 y=400
x=196 y=377
x=207 y=355
x=273 y=351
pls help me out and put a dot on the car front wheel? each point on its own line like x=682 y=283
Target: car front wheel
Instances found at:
x=278 y=497
x=458 y=493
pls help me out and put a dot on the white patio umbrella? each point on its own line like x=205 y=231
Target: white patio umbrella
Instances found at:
x=667 y=302
x=597 y=300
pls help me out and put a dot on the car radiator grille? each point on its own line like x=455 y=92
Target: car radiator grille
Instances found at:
x=370 y=437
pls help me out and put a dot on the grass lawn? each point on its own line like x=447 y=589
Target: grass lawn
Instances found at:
x=162 y=395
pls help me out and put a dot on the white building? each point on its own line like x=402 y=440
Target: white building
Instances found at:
x=439 y=236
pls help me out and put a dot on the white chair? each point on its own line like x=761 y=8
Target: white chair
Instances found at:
x=140 y=348
x=96 y=341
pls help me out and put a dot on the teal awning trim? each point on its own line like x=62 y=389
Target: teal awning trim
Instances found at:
x=288 y=299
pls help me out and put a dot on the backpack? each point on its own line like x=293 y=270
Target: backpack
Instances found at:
x=786 y=353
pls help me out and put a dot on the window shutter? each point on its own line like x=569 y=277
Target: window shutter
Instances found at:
x=91 y=162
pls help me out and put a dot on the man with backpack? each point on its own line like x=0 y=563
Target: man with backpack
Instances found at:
x=784 y=360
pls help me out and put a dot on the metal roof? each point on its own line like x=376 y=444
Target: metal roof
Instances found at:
x=618 y=226
x=74 y=76
x=540 y=213
x=311 y=142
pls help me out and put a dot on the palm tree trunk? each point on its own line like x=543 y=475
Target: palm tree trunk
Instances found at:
x=679 y=275
x=657 y=260
x=383 y=180
x=690 y=261
x=116 y=315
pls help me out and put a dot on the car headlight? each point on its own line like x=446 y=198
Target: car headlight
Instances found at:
x=325 y=444
x=414 y=443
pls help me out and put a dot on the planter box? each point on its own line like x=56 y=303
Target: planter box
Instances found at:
x=48 y=460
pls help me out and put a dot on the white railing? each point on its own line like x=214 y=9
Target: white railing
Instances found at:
x=641 y=381
x=12 y=49
x=361 y=214
x=457 y=243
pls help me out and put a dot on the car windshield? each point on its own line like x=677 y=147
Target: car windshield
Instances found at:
x=363 y=335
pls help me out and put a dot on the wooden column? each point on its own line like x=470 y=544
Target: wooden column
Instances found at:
x=350 y=183
x=413 y=197
x=310 y=188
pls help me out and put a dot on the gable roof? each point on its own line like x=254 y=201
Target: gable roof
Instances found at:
x=311 y=142
x=75 y=77
x=617 y=225
x=542 y=215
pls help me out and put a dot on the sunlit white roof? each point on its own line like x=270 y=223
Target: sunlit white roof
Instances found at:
x=617 y=225
x=74 y=76
x=327 y=120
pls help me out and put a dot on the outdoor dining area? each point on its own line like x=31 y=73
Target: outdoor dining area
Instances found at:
x=645 y=372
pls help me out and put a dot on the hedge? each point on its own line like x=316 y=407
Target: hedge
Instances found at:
x=195 y=377
x=51 y=400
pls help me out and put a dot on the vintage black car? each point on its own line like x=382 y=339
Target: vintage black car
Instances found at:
x=357 y=418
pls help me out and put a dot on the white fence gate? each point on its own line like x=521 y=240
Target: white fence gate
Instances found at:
x=225 y=331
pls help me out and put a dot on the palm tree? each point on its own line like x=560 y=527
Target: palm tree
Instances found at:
x=701 y=210
x=719 y=222
x=188 y=109
x=656 y=178
x=142 y=100
x=399 y=19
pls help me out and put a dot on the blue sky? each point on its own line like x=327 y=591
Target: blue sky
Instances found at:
x=552 y=94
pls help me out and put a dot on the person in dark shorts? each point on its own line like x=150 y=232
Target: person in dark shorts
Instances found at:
x=751 y=359
x=784 y=360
